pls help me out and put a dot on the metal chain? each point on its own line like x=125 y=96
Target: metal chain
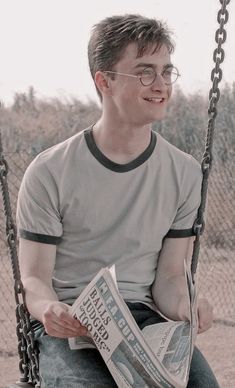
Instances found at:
x=22 y=347
x=28 y=355
x=10 y=226
x=32 y=351
x=214 y=96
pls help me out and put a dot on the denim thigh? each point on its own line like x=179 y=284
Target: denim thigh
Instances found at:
x=62 y=367
x=201 y=375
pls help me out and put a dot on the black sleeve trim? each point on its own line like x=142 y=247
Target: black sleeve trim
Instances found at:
x=42 y=238
x=177 y=233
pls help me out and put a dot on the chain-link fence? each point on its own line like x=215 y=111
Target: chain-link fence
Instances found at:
x=17 y=163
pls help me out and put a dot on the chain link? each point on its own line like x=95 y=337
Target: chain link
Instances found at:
x=32 y=351
x=28 y=353
x=214 y=96
x=10 y=227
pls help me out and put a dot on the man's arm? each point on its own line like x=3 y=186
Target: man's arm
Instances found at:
x=170 y=291
x=37 y=261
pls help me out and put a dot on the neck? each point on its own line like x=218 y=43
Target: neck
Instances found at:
x=121 y=142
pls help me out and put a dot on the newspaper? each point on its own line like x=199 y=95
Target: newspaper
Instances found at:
x=157 y=356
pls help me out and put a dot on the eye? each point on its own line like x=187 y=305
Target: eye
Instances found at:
x=148 y=72
x=167 y=72
x=170 y=74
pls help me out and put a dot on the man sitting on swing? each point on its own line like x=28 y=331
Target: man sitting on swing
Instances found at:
x=115 y=193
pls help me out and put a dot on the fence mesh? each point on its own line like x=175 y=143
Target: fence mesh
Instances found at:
x=216 y=269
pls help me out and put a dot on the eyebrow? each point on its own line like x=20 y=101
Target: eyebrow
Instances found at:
x=142 y=64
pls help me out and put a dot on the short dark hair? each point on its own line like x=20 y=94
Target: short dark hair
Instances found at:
x=112 y=35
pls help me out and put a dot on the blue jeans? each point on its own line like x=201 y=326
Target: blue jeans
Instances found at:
x=61 y=367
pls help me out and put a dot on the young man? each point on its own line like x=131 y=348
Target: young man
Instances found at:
x=114 y=193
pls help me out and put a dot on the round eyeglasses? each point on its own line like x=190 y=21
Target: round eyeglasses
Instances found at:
x=148 y=76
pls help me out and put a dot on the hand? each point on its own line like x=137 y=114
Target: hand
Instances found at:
x=205 y=315
x=59 y=323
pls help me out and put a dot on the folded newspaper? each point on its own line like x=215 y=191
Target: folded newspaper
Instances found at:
x=157 y=356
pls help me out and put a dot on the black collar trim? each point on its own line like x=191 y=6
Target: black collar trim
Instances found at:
x=88 y=133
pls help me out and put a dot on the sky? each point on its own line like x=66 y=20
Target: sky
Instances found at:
x=43 y=43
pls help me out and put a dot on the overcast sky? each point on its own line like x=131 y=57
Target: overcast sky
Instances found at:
x=43 y=43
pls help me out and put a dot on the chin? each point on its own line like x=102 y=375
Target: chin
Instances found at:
x=152 y=117
x=158 y=117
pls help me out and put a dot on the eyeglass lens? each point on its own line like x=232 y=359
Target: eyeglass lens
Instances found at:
x=149 y=75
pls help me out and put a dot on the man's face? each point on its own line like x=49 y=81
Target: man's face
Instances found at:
x=138 y=104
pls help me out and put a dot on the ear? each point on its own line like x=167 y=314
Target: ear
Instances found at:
x=103 y=83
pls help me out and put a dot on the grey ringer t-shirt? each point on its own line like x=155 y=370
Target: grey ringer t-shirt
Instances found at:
x=100 y=213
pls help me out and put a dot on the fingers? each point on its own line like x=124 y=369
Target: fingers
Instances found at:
x=205 y=315
x=59 y=323
x=57 y=330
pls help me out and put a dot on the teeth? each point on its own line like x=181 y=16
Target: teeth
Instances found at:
x=154 y=99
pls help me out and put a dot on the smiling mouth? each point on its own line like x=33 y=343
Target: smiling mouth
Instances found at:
x=155 y=100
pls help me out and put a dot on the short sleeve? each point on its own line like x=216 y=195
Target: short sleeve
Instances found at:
x=38 y=217
x=190 y=199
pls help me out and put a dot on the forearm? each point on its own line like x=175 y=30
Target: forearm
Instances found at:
x=43 y=304
x=37 y=262
x=171 y=297
x=38 y=296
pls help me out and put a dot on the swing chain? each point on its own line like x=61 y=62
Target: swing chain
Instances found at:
x=22 y=348
x=214 y=96
x=32 y=351
x=10 y=227
x=28 y=353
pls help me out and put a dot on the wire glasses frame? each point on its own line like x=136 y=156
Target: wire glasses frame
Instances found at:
x=148 y=75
